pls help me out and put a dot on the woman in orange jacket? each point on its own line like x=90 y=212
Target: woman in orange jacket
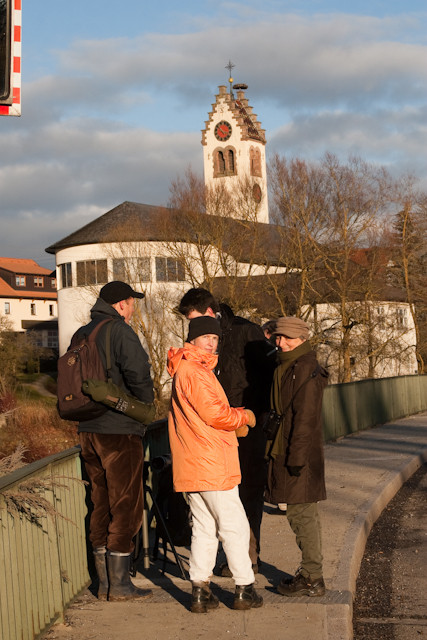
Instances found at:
x=205 y=465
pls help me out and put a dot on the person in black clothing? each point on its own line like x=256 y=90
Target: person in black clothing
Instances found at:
x=245 y=372
x=112 y=447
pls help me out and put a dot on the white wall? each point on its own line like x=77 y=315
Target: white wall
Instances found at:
x=20 y=309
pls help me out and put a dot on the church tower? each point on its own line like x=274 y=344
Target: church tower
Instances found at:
x=234 y=147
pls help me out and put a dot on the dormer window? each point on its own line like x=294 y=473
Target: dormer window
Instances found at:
x=20 y=281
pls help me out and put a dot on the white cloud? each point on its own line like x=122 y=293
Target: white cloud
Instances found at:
x=112 y=122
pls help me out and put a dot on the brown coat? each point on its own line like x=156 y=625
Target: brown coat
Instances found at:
x=303 y=437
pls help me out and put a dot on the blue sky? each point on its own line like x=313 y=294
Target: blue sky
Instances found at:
x=113 y=100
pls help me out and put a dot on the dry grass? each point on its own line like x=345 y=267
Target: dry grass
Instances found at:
x=28 y=499
x=36 y=426
x=12 y=462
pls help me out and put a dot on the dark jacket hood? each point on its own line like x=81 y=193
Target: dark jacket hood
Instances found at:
x=103 y=307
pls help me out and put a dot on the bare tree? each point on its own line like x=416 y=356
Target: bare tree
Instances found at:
x=330 y=216
x=217 y=236
x=410 y=243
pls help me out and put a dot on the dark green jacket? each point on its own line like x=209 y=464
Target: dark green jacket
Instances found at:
x=130 y=370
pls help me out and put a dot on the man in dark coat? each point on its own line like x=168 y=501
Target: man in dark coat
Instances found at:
x=112 y=447
x=296 y=461
x=245 y=368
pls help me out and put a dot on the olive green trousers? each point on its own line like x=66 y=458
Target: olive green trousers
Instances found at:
x=305 y=523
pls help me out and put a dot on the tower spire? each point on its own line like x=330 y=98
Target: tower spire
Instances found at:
x=230 y=66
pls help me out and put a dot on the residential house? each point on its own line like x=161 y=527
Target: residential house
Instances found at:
x=28 y=299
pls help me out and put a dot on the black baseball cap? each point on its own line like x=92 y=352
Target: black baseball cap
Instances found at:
x=117 y=290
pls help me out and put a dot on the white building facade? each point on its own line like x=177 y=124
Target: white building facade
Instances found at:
x=28 y=297
x=234 y=149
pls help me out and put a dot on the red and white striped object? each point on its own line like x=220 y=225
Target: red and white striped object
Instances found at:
x=14 y=109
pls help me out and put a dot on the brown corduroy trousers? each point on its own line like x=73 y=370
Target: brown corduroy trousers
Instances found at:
x=114 y=464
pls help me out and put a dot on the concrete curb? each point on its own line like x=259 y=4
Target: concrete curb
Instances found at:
x=340 y=616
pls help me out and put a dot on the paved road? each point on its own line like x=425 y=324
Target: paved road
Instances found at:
x=391 y=590
x=363 y=472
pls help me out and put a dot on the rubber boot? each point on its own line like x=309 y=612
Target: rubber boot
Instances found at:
x=99 y=556
x=202 y=598
x=121 y=587
x=245 y=597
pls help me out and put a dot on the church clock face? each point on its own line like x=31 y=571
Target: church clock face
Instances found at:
x=222 y=131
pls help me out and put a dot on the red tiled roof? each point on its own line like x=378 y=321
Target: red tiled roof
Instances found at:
x=6 y=291
x=22 y=265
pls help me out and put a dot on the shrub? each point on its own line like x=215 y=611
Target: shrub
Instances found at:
x=37 y=427
x=7 y=401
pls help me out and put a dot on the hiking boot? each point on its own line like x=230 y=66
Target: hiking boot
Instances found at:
x=245 y=597
x=202 y=598
x=301 y=586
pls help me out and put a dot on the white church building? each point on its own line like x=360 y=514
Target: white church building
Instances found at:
x=146 y=245
x=138 y=234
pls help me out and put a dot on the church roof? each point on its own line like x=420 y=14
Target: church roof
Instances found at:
x=115 y=225
x=135 y=222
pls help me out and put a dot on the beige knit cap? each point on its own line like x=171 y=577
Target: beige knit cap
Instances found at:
x=292 y=328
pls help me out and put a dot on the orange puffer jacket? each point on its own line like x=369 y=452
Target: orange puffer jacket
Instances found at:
x=201 y=424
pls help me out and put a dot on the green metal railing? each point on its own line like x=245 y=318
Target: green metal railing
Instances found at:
x=355 y=406
x=42 y=557
x=43 y=561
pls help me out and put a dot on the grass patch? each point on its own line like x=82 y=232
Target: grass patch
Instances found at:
x=36 y=426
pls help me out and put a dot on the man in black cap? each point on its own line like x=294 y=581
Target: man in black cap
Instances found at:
x=112 y=446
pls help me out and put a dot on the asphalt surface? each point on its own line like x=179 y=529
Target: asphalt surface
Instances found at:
x=391 y=589
x=363 y=473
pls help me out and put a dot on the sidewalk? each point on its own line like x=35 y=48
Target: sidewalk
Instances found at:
x=363 y=472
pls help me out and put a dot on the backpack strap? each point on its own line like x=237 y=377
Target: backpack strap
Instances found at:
x=91 y=337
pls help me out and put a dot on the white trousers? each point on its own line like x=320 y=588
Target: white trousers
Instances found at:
x=219 y=515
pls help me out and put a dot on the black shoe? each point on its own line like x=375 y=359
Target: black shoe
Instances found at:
x=245 y=597
x=202 y=598
x=301 y=586
x=121 y=586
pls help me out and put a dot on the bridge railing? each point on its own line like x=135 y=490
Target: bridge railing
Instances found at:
x=355 y=406
x=42 y=550
x=43 y=558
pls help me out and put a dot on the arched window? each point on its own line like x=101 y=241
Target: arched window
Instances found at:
x=230 y=161
x=224 y=161
x=255 y=159
x=220 y=163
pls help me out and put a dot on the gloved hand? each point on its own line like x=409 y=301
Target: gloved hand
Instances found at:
x=295 y=471
x=242 y=431
x=251 y=420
